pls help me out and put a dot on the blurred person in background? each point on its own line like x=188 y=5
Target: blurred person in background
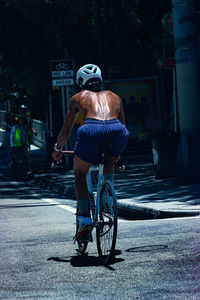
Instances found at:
x=24 y=112
x=20 y=146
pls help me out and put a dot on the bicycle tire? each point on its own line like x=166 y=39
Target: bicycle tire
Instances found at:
x=106 y=230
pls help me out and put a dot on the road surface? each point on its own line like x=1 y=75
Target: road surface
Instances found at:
x=155 y=259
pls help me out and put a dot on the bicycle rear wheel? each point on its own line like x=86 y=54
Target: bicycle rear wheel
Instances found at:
x=106 y=231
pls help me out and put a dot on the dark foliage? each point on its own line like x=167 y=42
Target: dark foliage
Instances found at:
x=123 y=37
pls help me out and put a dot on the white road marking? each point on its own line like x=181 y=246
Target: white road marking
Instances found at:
x=70 y=208
x=49 y=201
x=63 y=206
x=73 y=210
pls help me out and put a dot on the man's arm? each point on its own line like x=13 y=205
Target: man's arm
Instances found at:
x=68 y=124
x=66 y=129
x=12 y=133
x=33 y=131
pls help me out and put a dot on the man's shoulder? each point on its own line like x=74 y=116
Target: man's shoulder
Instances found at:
x=81 y=95
x=111 y=94
x=78 y=95
x=86 y=93
x=13 y=127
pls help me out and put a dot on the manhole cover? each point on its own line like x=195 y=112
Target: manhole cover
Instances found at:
x=147 y=248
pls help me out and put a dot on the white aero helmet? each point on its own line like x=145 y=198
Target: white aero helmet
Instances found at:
x=86 y=73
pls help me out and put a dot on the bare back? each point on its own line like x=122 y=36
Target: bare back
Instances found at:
x=103 y=105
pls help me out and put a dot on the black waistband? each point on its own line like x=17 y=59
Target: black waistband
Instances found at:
x=97 y=121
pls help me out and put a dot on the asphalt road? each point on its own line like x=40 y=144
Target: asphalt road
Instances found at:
x=155 y=259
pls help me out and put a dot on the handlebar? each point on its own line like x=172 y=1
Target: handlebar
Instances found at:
x=68 y=152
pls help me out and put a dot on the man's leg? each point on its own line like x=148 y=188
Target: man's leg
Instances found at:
x=28 y=156
x=15 y=160
x=80 y=170
x=85 y=222
x=109 y=167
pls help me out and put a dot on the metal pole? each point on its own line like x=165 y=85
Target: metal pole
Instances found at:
x=63 y=102
x=64 y=115
x=99 y=34
x=174 y=96
x=9 y=105
x=67 y=102
x=188 y=91
x=50 y=116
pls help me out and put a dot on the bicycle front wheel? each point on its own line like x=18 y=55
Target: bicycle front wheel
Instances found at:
x=106 y=230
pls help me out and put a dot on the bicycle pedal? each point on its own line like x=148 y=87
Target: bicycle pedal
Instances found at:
x=85 y=238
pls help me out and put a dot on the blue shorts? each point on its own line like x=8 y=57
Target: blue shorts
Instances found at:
x=94 y=132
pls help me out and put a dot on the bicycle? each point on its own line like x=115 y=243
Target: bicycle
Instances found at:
x=103 y=210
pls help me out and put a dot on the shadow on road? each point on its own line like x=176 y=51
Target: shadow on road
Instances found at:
x=24 y=190
x=86 y=260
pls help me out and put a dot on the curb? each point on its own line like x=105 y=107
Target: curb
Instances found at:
x=130 y=211
x=127 y=210
x=136 y=212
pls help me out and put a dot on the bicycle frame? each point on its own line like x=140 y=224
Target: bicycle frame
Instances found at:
x=96 y=200
x=91 y=191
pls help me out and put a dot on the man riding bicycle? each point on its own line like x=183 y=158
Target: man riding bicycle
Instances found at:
x=104 y=122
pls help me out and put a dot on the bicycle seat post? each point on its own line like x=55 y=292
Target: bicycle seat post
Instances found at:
x=101 y=163
x=102 y=158
x=103 y=148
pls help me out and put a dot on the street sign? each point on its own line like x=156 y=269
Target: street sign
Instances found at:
x=62 y=71
x=62 y=82
x=62 y=65
x=58 y=74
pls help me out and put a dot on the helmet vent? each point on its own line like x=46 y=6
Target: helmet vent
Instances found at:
x=88 y=72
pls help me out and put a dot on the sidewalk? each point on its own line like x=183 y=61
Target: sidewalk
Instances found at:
x=139 y=194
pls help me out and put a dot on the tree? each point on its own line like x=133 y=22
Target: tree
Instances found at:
x=123 y=37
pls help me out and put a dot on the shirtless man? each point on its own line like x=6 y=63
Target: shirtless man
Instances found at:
x=104 y=122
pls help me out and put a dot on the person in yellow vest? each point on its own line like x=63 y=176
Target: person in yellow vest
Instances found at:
x=24 y=112
x=20 y=144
